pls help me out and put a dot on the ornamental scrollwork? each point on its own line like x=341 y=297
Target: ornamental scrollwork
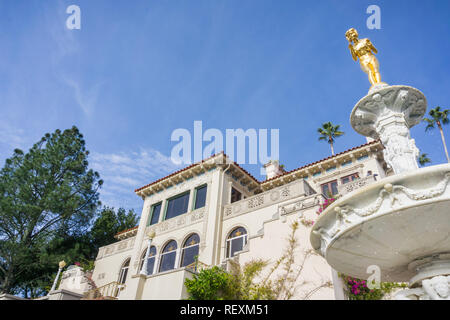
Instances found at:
x=346 y=215
x=256 y=201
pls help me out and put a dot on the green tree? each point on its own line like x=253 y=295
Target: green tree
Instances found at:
x=423 y=159
x=47 y=196
x=329 y=132
x=210 y=284
x=438 y=118
x=108 y=223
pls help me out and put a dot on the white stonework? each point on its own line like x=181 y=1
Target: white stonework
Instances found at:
x=75 y=279
x=387 y=114
x=399 y=224
x=265 y=210
x=273 y=169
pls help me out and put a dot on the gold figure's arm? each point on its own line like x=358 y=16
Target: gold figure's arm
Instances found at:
x=372 y=47
x=352 y=51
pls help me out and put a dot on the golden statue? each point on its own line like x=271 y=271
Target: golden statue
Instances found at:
x=364 y=50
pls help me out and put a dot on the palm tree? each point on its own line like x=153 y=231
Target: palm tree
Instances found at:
x=329 y=133
x=439 y=118
x=423 y=159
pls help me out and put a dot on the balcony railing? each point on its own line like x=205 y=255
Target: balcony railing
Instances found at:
x=108 y=291
x=356 y=184
x=289 y=191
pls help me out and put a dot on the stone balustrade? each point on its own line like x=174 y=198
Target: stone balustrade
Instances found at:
x=294 y=189
x=356 y=184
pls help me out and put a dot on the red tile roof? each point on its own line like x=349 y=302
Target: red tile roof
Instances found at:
x=328 y=158
x=193 y=165
x=126 y=230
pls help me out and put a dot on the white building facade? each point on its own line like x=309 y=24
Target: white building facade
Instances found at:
x=214 y=210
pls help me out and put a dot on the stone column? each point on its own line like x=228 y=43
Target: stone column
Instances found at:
x=62 y=264
x=151 y=235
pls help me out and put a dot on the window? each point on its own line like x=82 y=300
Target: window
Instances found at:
x=151 y=260
x=329 y=189
x=168 y=256
x=352 y=177
x=235 y=195
x=124 y=271
x=200 y=197
x=236 y=241
x=190 y=250
x=154 y=214
x=177 y=205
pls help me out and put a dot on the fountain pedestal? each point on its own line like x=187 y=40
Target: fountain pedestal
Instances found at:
x=400 y=224
x=387 y=113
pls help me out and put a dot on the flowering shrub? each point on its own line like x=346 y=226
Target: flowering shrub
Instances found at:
x=325 y=204
x=357 y=289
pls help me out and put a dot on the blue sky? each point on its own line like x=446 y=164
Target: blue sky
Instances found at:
x=137 y=70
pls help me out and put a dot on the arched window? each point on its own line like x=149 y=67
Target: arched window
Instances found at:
x=168 y=256
x=190 y=250
x=236 y=241
x=151 y=260
x=124 y=271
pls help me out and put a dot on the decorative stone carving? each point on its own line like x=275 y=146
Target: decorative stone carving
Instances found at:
x=324 y=240
x=275 y=195
x=436 y=288
x=387 y=114
x=356 y=184
x=390 y=191
x=400 y=150
x=122 y=245
x=285 y=192
x=178 y=222
x=292 y=190
x=255 y=201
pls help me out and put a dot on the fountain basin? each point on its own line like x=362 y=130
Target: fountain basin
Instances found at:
x=391 y=223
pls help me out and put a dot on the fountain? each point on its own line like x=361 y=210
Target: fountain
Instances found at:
x=400 y=223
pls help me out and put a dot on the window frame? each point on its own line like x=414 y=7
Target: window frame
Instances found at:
x=152 y=211
x=141 y=263
x=173 y=198
x=329 y=184
x=231 y=194
x=124 y=268
x=229 y=242
x=184 y=247
x=355 y=174
x=161 y=258
x=194 y=202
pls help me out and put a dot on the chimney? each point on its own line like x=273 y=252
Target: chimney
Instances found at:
x=273 y=169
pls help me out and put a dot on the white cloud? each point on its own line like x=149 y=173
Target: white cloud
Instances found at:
x=86 y=99
x=66 y=49
x=124 y=172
